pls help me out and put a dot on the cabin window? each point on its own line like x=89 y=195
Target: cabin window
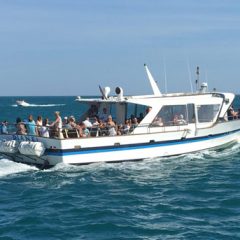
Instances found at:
x=207 y=113
x=135 y=110
x=171 y=115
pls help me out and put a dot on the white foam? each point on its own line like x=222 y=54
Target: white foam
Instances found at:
x=8 y=167
x=41 y=105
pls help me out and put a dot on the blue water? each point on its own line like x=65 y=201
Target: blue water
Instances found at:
x=195 y=196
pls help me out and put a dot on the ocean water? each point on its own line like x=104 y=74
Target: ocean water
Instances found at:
x=194 y=196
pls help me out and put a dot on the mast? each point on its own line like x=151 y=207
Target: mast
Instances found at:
x=197 y=80
x=153 y=83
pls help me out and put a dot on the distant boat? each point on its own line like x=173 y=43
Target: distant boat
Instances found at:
x=22 y=103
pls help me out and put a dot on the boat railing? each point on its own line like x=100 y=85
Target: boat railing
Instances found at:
x=65 y=132
x=232 y=118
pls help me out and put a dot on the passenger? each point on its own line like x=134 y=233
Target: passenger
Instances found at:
x=72 y=118
x=104 y=115
x=119 y=129
x=134 y=124
x=175 y=119
x=232 y=114
x=21 y=130
x=84 y=132
x=44 y=129
x=39 y=121
x=31 y=126
x=3 y=129
x=181 y=120
x=132 y=118
x=158 y=122
x=39 y=124
x=111 y=126
x=93 y=111
x=87 y=123
x=68 y=122
x=65 y=121
x=72 y=124
x=95 y=122
x=126 y=127
x=102 y=128
x=57 y=125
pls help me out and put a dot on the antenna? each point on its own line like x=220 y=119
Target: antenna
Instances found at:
x=190 y=76
x=197 y=80
x=153 y=83
x=165 y=75
x=206 y=77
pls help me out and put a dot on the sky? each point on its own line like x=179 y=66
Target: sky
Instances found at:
x=69 y=47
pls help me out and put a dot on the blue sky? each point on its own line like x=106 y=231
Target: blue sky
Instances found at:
x=69 y=47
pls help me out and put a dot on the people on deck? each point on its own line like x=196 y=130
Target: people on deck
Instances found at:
x=104 y=115
x=157 y=122
x=175 y=119
x=44 y=129
x=39 y=124
x=84 y=132
x=95 y=122
x=21 y=129
x=134 y=124
x=39 y=121
x=31 y=126
x=87 y=122
x=65 y=121
x=102 y=128
x=111 y=126
x=181 y=120
x=232 y=114
x=3 y=127
x=93 y=111
x=126 y=127
x=57 y=125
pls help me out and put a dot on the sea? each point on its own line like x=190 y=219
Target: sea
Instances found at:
x=193 y=196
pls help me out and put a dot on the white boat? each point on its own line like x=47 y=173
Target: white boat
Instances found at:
x=22 y=103
x=170 y=124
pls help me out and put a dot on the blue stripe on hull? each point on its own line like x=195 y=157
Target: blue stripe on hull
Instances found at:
x=69 y=152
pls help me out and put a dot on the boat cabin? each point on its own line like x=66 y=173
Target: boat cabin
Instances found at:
x=168 y=112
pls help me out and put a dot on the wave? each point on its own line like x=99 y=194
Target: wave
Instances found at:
x=8 y=167
x=154 y=167
x=41 y=105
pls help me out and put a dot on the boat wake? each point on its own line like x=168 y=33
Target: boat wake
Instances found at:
x=8 y=167
x=41 y=105
x=162 y=165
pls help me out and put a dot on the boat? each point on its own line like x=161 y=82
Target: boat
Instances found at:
x=22 y=103
x=168 y=125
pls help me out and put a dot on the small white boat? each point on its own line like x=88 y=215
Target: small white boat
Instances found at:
x=168 y=125
x=22 y=103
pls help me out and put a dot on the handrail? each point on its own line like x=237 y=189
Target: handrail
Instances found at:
x=97 y=131
x=74 y=132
